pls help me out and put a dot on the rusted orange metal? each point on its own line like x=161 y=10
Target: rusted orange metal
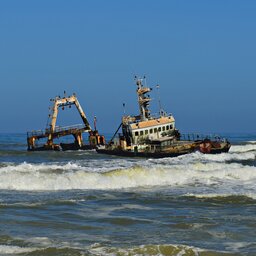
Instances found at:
x=52 y=132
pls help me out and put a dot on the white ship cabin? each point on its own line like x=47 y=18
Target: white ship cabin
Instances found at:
x=151 y=129
x=141 y=129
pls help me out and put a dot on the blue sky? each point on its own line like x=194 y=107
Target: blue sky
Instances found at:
x=202 y=53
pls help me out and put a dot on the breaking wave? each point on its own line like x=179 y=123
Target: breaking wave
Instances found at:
x=72 y=176
x=97 y=249
x=243 y=148
x=225 y=198
x=11 y=250
x=236 y=167
x=159 y=250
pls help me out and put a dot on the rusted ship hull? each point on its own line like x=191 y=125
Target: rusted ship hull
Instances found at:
x=74 y=146
x=140 y=154
x=54 y=147
x=205 y=147
x=213 y=147
x=63 y=147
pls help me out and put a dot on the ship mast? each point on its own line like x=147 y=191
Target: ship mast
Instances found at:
x=143 y=99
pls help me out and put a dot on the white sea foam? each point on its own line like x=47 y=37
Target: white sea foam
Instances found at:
x=199 y=157
x=87 y=166
x=10 y=250
x=39 y=177
x=158 y=250
x=214 y=195
x=242 y=156
x=251 y=142
x=243 y=148
x=237 y=246
x=118 y=173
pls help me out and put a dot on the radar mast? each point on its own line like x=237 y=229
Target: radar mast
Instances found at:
x=143 y=98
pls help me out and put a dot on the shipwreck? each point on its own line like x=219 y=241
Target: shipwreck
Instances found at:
x=146 y=135
x=53 y=132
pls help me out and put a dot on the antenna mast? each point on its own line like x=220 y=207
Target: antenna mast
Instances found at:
x=143 y=99
x=161 y=111
x=124 y=108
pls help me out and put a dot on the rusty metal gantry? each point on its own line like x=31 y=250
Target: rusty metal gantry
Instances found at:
x=52 y=132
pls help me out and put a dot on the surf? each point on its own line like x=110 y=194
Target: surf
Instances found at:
x=37 y=177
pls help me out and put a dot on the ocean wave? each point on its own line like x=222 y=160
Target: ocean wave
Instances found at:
x=243 y=148
x=226 y=198
x=11 y=250
x=251 y=142
x=98 y=249
x=16 y=250
x=151 y=249
x=82 y=165
x=72 y=176
x=203 y=158
x=225 y=157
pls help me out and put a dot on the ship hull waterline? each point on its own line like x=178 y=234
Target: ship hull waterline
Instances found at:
x=124 y=153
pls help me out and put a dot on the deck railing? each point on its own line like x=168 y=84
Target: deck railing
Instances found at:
x=56 y=130
x=198 y=136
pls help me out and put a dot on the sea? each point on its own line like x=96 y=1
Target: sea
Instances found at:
x=85 y=203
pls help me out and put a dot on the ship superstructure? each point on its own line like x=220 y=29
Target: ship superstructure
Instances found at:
x=139 y=131
x=148 y=135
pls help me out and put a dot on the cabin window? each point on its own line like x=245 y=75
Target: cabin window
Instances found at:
x=151 y=131
x=159 y=129
x=155 y=130
x=141 y=133
x=146 y=132
x=136 y=133
x=163 y=128
x=167 y=127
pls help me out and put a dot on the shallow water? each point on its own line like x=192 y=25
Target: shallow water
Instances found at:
x=83 y=203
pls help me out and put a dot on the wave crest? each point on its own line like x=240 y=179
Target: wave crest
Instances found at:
x=72 y=176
